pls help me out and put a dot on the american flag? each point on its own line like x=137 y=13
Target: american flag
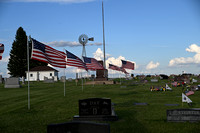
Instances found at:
x=1 y=50
x=73 y=60
x=127 y=65
x=92 y=64
x=113 y=67
x=47 y=54
x=123 y=70
x=189 y=93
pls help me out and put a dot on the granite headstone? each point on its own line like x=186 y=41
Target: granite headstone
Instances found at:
x=12 y=83
x=182 y=115
x=98 y=109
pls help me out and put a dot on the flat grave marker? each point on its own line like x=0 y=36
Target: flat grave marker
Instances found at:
x=183 y=115
x=144 y=104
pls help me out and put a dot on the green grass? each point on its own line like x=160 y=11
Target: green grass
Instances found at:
x=48 y=105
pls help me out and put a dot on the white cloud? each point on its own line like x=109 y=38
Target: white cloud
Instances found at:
x=57 y=1
x=68 y=43
x=5 y=59
x=152 y=65
x=98 y=55
x=193 y=48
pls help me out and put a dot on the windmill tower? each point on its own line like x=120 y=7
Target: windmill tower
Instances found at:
x=83 y=39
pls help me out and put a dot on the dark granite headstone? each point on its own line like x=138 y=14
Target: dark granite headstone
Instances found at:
x=79 y=127
x=99 y=109
x=182 y=115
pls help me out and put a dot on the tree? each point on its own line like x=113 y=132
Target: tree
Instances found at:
x=17 y=64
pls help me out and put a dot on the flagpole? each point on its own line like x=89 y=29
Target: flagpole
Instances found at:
x=64 y=82
x=104 y=63
x=28 y=73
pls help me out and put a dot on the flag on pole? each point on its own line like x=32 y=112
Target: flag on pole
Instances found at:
x=189 y=93
x=123 y=70
x=92 y=64
x=47 y=54
x=73 y=60
x=1 y=50
x=185 y=98
x=127 y=65
x=113 y=67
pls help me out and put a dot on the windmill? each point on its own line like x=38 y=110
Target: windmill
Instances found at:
x=83 y=39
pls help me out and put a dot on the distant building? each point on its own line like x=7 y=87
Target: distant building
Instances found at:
x=39 y=73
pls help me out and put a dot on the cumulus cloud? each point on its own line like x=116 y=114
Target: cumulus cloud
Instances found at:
x=98 y=55
x=58 y=1
x=152 y=65
x=193 y=48
x=69 y=44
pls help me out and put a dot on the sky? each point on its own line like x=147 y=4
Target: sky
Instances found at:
x=159 y=36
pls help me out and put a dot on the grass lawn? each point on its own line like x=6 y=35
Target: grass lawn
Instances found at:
x=48 y=105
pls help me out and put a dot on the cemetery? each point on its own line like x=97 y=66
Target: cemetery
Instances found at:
x=110 y=108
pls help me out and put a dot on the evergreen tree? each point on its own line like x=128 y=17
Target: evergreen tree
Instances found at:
x=17 y=64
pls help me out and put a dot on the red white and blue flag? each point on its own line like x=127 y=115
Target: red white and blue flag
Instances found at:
x=47 y=54
x=123 y=70
x=92 y=64
x=113 y=67
x=1 y=50
x=189 y=93
x=73 y=60
x=127 y=65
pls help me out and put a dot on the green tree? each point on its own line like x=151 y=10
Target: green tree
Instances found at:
x=17 y=64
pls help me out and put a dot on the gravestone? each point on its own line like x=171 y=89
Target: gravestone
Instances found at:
x=182 y=115
x=45 y=78
x=49 y=81
x=1 y=79
x=12 y=83
x=23 y=80
x=70 y=79
x=154 y=80
x=171 y=104
x=96 y=109
x=79 y=127
x=140 y=103
x=55 y=78
x=63 y=78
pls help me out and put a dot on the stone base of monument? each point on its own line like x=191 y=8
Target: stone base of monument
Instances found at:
x=79 y=127
x=95 y=118
x=100 y=82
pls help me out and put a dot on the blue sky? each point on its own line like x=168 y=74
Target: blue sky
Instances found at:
x=160 y=36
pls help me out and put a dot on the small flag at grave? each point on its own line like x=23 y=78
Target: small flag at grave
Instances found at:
x=127 y=65
x=1 y=50
x=73 y=60
x=185 y=98
x=47 y=54
x=189 y=93
x=92 y=64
